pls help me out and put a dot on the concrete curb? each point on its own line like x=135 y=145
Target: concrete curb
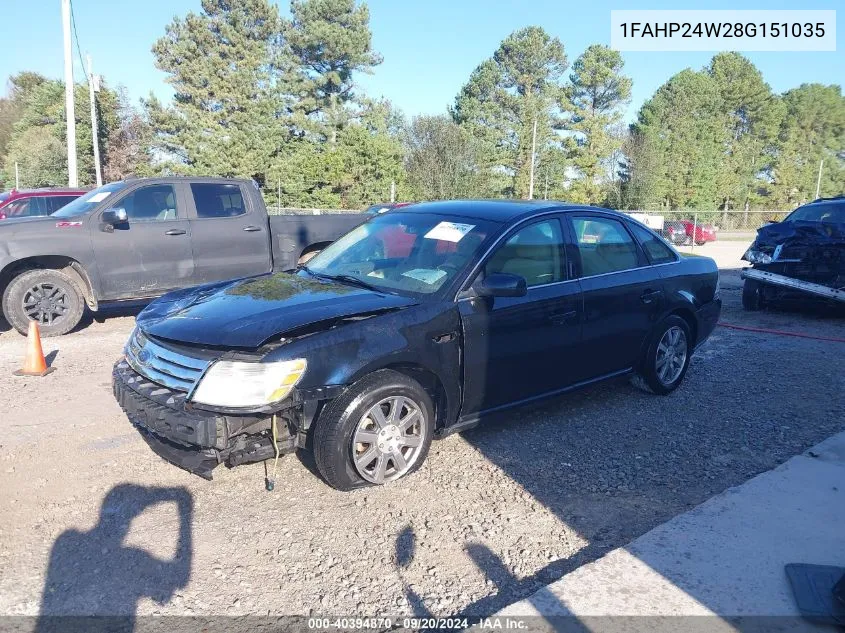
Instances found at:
x=724 y=557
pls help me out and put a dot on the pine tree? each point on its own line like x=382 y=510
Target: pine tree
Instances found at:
x=595 y=98
x=228 y=115
x=504 y=97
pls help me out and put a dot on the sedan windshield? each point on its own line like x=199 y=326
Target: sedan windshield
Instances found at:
x=85 y=203
x=405 y=253
x=826 y=212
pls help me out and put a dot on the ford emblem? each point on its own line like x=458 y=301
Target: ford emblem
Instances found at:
x=144 y=357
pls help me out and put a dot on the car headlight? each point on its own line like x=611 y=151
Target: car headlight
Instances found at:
x=757 y=257
x=238 y=384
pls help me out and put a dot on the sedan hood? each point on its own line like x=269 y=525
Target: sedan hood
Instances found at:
x=247 y=313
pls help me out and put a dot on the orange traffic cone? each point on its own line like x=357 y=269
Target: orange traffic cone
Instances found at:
x=34 y=363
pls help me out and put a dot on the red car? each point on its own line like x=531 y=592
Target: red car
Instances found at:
x=27 y=203
x=703 y=232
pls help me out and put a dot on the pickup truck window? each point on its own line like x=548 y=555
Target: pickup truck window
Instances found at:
x=85 y=203
x=155 y=203
x=407 y=253
x=214 y=200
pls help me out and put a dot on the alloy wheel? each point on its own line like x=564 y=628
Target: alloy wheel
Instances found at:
x=46 y=303
x=388 y=439
x=671 y=355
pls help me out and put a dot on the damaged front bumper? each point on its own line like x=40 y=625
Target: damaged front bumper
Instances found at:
x=197 y=440
x=792 y=284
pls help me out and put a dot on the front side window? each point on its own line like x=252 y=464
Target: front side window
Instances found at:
x=217 y=200
x=156 y=203
x=406 y=253
x=533 y=253
x=17 y=208
x=604 y=245
x=655 y=248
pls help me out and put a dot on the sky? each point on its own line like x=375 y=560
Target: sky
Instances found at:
x=430 y=47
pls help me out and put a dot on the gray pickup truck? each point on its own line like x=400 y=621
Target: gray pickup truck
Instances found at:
x=134 y=240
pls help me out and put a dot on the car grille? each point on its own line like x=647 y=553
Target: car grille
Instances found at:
x=162 y=365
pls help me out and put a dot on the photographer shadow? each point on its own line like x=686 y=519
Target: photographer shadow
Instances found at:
x=94 y=574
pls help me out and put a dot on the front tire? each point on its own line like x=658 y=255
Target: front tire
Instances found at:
x=49 y=297
x=379 y=430
x=752 y=295
x=668 y=356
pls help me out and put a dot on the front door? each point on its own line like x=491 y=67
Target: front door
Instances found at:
x=516 y=348
x=623 y=294
x=230 y=239
x=151 y=252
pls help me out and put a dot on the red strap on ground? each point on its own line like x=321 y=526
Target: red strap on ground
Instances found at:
x=780 y=332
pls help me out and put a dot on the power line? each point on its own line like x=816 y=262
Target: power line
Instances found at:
x=78 y=47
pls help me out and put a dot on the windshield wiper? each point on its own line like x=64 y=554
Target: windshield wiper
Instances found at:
x=350 y=279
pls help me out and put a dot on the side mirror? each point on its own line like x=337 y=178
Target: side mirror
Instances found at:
x=115 y=216
x=502 y=285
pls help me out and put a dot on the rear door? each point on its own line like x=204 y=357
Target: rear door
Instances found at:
x=149 y=254
x=623 y=294
x=229 y=235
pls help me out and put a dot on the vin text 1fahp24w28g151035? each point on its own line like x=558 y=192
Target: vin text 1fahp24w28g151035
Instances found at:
x=413 y=325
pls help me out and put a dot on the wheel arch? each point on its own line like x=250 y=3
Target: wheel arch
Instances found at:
x=63 y=263
x=311 y=248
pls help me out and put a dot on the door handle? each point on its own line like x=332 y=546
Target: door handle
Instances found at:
x=562 y=318
x=175 y=232
x=252 y=229
x=650 y=295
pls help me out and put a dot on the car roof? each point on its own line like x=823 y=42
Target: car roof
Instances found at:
x=496 y=210
x=45 y=191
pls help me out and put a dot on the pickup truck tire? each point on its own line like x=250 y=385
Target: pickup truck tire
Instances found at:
x=49 y=297
x=667 y=358
x=752 y=295
x=350 y=431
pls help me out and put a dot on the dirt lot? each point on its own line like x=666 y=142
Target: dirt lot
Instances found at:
x=494 y=513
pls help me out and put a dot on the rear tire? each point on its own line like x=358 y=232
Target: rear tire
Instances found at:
x=339 y=432
x=752 y=295
x=49 y=297
x=670 y=345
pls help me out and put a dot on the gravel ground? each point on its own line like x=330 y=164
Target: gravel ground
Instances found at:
x=493 y=514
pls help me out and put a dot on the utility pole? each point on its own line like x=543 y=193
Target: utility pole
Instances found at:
x=72 y=180
x=92 y=88
x=17 y=179
x=819 y=179
x=393 y=191
x=533 y=154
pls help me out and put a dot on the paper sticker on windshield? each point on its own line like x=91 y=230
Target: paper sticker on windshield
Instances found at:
x=449 y=231
x=426 y=275
x=99 y=197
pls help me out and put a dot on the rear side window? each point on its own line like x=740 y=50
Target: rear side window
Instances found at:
x=604 y=245
x=218 y=200
x=57 y=202
x=657 y=251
